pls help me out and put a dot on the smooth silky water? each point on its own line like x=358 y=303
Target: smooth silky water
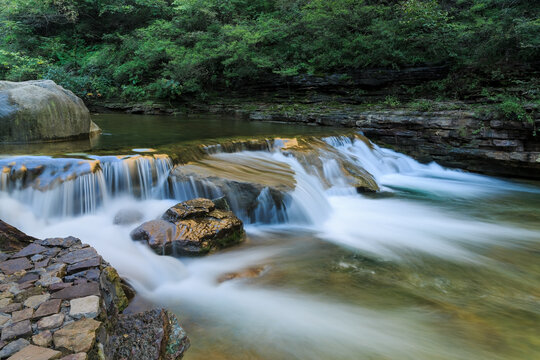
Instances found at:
x=441 y=264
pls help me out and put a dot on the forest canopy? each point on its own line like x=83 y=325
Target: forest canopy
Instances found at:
x=168 y=49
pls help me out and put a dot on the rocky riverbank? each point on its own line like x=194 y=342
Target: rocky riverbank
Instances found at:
x=60 y=299
x=461 y=138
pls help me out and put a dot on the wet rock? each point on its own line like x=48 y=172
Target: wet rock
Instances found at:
x=195 y=208
x=48 y=308
x=21 y=328
x=62 y=242
x=43 y=338
x=152 y=334
x=51 y=322
x=113 y=291
x=36 y=300
x=29 y=277
x=11 y=307
x=40 y=110
x=13 y=347
x=87 y=307
x=59 y=286
x=243 y=274
x=36 y=353
x=31 y=249
x=77 y=291
x=14 y=265
x=128 y=217
x=5 y=320
x=23 y=314
x=84 y=265
x=78 y=336
x=79 y=255
x=78 y=356
x=12 y=239
x=193 y=227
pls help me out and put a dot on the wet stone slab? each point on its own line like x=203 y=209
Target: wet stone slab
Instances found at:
x=14 y=265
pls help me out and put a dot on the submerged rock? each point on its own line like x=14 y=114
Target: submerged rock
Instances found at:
x=127 y=217
x=193 y=227
x=40 y=110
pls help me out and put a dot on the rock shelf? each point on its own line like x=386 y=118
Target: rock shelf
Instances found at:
x=60 y=300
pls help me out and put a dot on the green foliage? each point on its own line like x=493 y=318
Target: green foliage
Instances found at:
x=391 y=101
x=170 y=49
x=422 y=105
x=512 y=108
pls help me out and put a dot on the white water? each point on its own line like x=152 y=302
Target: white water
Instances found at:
x=305 y=326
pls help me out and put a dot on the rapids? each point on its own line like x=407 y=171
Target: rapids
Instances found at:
x=439 y=264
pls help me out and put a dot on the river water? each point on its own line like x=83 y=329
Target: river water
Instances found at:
x=439 y=264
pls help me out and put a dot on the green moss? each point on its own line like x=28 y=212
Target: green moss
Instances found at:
x=120 y=299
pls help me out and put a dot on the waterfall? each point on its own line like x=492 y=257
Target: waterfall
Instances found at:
x=65 y=187
x=275 y=185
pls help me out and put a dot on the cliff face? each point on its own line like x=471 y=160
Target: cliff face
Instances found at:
x=454 y=138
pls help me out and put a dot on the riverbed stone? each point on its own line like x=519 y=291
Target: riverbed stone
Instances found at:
x=62 y=242
x=59 y=286
x=77 y=356
x=78 y=336
x=21 y=328
x=32 y=352
x=23 y=314
x=84 y=265
x=12 y=239
x=12 y=266
x=48 y=308
x=51 y=322
x=13 y=347
x=40 y=110
x=31 y=249
x=87 y=307
x=36 y=300
x=193 y=227
x=77 y=291
x=43 y=338
x=11 y=308
x=5 y=320
x=79 y=255
x=128 y=217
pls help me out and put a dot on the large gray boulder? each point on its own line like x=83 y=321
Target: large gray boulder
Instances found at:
x=40 y=110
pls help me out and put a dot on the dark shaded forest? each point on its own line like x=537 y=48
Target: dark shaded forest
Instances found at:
x=184 y=49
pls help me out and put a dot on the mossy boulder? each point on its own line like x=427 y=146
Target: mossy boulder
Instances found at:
x=191 y=228
x=40 y=110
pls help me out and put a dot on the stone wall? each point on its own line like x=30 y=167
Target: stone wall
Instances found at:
x=454 y=138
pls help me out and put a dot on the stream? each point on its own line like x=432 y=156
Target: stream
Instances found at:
x=438 y=264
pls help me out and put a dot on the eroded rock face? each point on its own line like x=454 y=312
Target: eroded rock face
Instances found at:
x=193 y=227
x=40 y=110
x=153 y=334
x=12 y=239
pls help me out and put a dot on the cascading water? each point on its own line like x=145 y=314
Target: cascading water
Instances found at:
x=390 y=275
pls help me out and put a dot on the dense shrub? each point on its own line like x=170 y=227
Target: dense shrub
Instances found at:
x=169 y=49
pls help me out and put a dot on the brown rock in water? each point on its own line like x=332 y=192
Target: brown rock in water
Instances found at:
x=242 y=274
x=12 y=239
x=193 y=227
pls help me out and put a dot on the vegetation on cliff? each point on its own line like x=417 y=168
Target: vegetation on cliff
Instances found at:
x=170 y=49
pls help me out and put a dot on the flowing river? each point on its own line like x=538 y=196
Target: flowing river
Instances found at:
x=438 y=264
